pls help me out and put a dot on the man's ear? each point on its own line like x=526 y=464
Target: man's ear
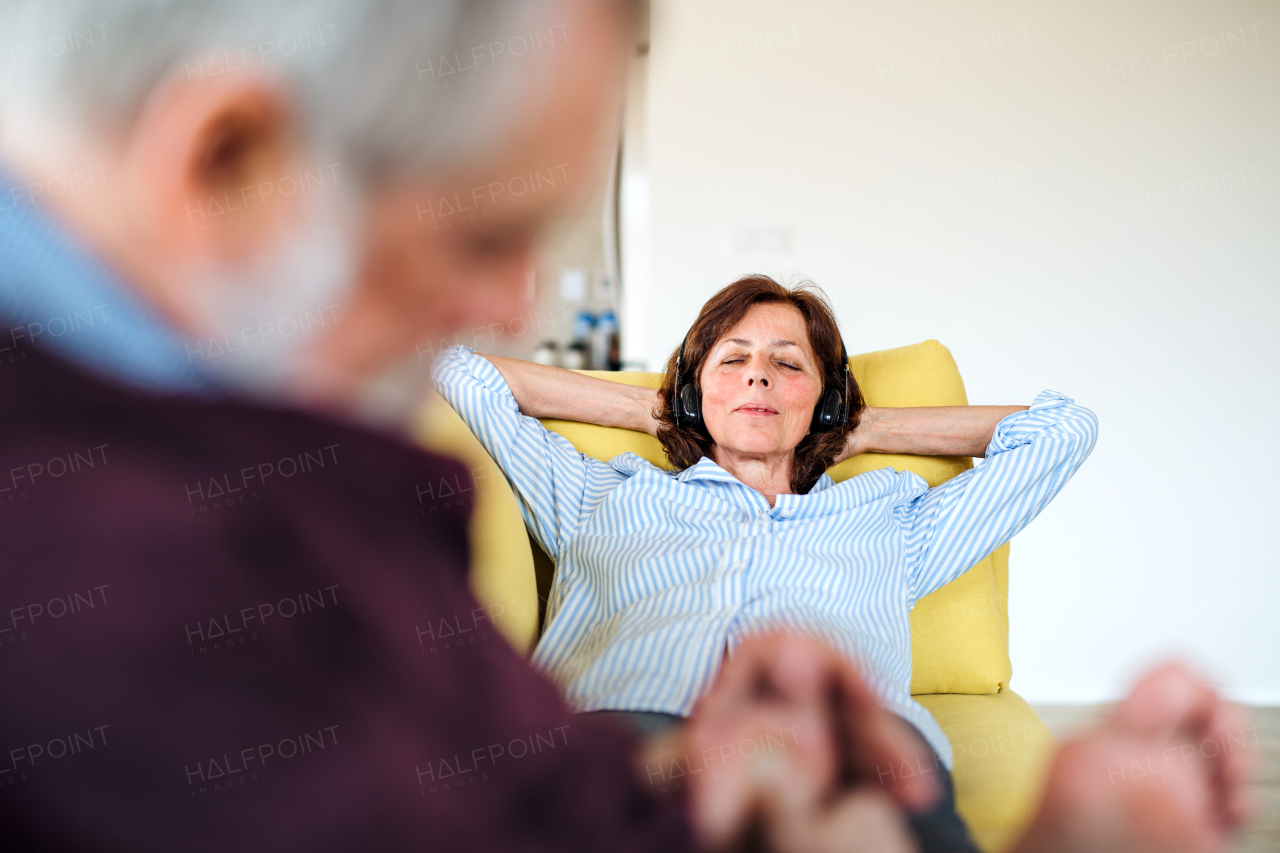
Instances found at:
x=205 y=164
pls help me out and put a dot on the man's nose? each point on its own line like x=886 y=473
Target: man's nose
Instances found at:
x=497 y=301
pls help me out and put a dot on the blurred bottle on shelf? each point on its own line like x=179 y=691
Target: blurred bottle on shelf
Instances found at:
x=584 y=326
x=605 y=347
x=547 y=352
x=575 y=357
x=604 y=342
x=615 y=351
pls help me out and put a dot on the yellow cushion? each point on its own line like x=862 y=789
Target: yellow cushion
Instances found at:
x=502 y=577
x=959 y=639
x=1002 y=753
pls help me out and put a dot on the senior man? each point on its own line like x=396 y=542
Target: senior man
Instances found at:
x=224 y=225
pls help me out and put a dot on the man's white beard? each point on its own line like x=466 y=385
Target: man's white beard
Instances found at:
x=278 y=307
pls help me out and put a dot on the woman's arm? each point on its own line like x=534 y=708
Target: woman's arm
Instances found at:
x=551 y=392
x=1030 y=457
x=926 y=430
x=555 y=485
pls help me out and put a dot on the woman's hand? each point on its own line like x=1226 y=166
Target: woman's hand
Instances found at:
x=551 y=392
x=926 y=430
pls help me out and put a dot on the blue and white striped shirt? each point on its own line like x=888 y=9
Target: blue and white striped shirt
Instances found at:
x=657 y=571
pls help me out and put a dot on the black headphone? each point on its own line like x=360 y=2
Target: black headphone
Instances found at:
x=832 y=410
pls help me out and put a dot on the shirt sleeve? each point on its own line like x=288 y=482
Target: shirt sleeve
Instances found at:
x=555 y=485
x=1031 y=456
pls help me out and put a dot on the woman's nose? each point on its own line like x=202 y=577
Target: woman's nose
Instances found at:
x=763 y=380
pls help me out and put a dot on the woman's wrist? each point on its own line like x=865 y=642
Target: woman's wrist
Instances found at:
x=645 y=401
x=863 y=438
x=870 y=427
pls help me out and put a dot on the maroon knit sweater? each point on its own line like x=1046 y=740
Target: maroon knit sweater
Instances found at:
x=227 y=627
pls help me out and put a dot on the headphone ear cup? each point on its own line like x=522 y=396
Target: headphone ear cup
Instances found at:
x=827 y=416
x=690 y=411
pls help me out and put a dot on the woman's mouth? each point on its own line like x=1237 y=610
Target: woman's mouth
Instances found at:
x=756 y=409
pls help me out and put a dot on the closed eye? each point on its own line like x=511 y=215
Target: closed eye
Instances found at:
x=740 y=360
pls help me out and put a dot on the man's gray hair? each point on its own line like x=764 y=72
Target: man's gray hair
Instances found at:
x=391 y=86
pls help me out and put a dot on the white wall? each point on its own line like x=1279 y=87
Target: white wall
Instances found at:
x=1084 y=197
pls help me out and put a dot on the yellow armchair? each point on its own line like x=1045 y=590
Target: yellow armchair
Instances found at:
x=959 y=634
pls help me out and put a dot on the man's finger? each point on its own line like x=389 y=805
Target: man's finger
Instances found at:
x=882 y=747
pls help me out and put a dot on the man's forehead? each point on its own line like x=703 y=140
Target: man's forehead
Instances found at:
x=509 y=189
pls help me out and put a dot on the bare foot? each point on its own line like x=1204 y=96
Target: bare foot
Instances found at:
x=1166 y=771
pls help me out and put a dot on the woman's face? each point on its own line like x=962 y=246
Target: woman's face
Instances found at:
x=761 y=382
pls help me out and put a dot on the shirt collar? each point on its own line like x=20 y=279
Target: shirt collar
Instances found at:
x=824 y=482
x=58 y=296
x=706 y=469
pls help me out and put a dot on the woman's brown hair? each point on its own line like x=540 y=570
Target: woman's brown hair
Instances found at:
x=816 y=451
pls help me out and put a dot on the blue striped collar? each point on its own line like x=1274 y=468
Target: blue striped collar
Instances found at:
x=57 y=295
x=706 y=469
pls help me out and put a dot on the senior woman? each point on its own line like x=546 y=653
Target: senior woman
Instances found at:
x=660 y=574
